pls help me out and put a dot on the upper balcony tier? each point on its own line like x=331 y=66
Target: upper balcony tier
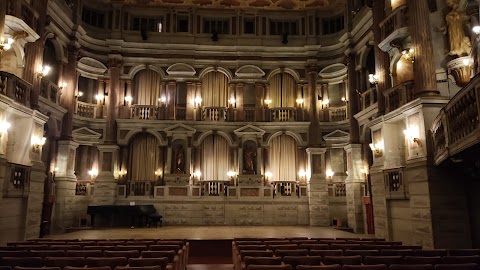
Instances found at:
x=394 y=27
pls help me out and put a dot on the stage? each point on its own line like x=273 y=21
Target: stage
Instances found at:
x=208 y=232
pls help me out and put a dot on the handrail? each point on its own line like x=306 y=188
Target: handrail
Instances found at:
x=50 y=90
x=144 y=112
x=337 y=114
x=85 y=109
x=283 y=114
x=217 y=114
x=395 y=20
x=457 y=125
x=368 y=98
x=398 y=96
x=15 y=88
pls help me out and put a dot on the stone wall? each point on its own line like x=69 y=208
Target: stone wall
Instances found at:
x=12 y=219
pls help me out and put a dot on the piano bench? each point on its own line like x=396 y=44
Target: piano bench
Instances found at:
x=154 y=220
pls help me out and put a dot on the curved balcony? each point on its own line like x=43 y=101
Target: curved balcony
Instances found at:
x=15 y=88
x=395 y=26
x=456 y=128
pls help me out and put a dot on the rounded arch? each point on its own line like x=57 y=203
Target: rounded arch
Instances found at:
x=59 y=50
x=131 y=134
x=221 y=133
x=294 y=135
x=290 y=71
x=220 y=69
x=364 y=54
x=134 y=70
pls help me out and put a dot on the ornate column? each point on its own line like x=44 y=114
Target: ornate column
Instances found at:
x=259 y=97
x=114 y=66
x=318 y=202
x=352 y=99
x=190 y=101
x=34 y=53
x=198 y=107
x=171 y=88
x=239 y=102
x=314 y=133
x=68 y=94
x=353 y=185
x=382 y=60
x=424 y=66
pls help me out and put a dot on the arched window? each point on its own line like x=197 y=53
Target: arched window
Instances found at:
x=144 y=157
x=50 y=59
x=283 y=158
x=147 y=87
x=215 y=158
x=214 y=89
x=281 y=90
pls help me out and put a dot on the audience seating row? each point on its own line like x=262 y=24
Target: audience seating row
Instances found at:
x=153 y=254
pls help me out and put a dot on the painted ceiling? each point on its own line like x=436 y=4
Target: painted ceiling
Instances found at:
x=255 y=4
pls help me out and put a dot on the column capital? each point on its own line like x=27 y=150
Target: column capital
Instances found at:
x=314 y=150
x=312 y=69
x=114 y=63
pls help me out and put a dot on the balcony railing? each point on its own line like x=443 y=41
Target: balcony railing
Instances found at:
x=15 y=88
x=396 y=20
x=216 y=114
x=21 y=9
x=86 y=110
x=214 y=188
x=144 y=112
x=398 y=96
x=50 y=91
x=283 y=114
x=141 y=188
x=337 y=114
x=368 y=98
x=457 y=125
x=180 y=113
x=250 y=114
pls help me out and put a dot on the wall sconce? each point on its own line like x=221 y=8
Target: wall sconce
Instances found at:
x=128 y=99
x=231 y=174
x=197 y=175
x=412 y=135
x=267 y=102
x=325 y=102
x=329 y=173
x=6 y=43
x=79 y=94
x=38 y=142
x=467 y=62
x=476 y=29
x=302 y=175
x=93 y=173
x=268 y=175
x=162 y=100
x=344 y=99
x=232 y=101
x=43 y=71
x=299 y=101
x=377 y=148
x=373 y=78
x=4 y=126
x=122 y=173
x=197 y=101
x=63 y=85
x=158 y=173
x=100 y=98
x=408 y=55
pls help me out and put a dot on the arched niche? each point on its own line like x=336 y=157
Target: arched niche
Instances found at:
x=250 y=160
x=180 y=158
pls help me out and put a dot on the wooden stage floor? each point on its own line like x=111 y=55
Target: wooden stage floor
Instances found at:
x=208 y=232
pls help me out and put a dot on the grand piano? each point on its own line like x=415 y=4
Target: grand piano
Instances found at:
x=122 y=215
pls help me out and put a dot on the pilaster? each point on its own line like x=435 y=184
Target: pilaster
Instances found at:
x=318 y=201
x=354 y=187
x=105 y=183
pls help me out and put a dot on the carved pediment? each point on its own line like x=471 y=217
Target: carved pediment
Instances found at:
x=337 y=136
x=249 y=71
x=181 y=69
x=179 y=129
x=249 y=130
x=86 y=136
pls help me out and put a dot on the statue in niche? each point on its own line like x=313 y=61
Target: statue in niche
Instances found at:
x=250 y=155
x=456 y=20
x=179 y=159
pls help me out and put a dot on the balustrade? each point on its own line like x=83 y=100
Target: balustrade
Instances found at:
x=50 y=91
x=216 y=114
x=283 y=114
x=214 y=188
x=180 y=113
x=396 y=20
x=456 y=127
x=144 y=112
x=337 y=190
x=86 y=110
x=249 y=114
x=285 y=188
x=398 y=96
x=15 y=88
x=368 y=98
x=337 y=114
